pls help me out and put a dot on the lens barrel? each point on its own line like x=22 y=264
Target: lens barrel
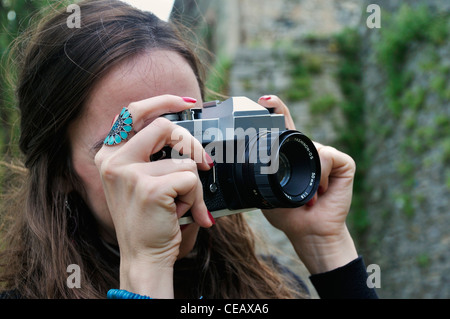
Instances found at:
x=290 y=178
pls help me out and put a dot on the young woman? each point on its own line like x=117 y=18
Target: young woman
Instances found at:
x=101 y=204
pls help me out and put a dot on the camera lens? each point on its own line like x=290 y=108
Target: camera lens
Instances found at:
x=290 y=178
x=284 y=170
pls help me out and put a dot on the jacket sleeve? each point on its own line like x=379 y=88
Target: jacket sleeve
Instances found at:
x=346 y=282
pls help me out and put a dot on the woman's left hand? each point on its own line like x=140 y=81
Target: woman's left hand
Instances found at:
x=318 y=230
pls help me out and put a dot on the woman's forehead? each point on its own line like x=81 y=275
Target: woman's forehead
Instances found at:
x=144 y=76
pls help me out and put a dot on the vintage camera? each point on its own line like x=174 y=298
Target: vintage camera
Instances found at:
x=257 y=162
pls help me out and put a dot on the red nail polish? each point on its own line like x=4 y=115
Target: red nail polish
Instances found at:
x=311 y=202
x=265 y=97
x=209 y=160
x=320 y=190
x=189 y=99
x=213 y=221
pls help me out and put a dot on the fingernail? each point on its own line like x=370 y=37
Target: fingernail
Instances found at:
x=189 y=99
x=213 y=221
x=265 y=97
x=320 y=190
x=311 y=202
x=209 y=160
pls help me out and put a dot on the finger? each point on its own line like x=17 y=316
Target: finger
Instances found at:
x=186 y=198
x=312 y=201
x=138 y=114
x=146 y=111
x=318 y=145
x=335 y=164
x=187 y=193
x=326 y=163
x=192 y=202
x=275 y=103
x=161 y=132
x=166 y=166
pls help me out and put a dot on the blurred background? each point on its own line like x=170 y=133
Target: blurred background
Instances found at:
x=380 y=94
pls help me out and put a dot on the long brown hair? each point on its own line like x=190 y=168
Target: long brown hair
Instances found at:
x=49 y=224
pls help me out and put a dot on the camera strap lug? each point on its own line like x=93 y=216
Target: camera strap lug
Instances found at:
x=213 y=185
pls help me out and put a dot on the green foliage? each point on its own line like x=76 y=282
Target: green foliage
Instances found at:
x=446 y=151
x=323 y=104
x=405 y=168
x=447 y=179
x=404 y=202
x=313 y=64
x=423 y=260
x=399 y=33
x=300 y=89
x=408 y=93
x=350 y=76
x=352 y=133
x=302 y=67
x=442 y=125
x=15 y=16
x=217 y=83
x=439 y=29
x=412 y=99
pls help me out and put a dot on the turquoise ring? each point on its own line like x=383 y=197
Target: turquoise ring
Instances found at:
x=121 y=128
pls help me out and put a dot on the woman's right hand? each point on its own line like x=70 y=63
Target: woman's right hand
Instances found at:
x=146 y=199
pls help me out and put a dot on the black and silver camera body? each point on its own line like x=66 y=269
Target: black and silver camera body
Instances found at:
x=257 y=162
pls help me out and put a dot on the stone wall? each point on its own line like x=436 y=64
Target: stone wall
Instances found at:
x=408 y=198
x=234 y=24
x=406 y=151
